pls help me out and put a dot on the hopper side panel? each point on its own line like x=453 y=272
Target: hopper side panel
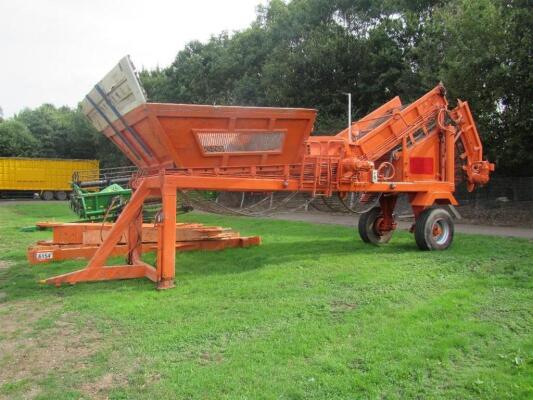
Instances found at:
x=216 y=140
x=181 y=136
x=253 y=123
x=154 y=141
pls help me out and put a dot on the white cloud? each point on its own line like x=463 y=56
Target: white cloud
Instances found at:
x=54 y=51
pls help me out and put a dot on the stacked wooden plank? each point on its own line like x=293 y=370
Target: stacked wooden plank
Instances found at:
x=81 y=240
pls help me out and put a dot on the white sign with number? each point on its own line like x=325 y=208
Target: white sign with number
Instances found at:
x=44 y=255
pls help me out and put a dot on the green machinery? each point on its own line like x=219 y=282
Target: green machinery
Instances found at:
x=93 y=204
x=99 y=195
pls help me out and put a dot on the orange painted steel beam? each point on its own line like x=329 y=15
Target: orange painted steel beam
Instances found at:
x=259 y=184
x=105 y=273
x=167 y=255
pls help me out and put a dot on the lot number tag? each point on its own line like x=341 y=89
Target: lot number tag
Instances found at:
x=45 y=255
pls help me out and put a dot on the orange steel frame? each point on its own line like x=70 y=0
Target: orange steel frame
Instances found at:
x=80 y=251
x=393 y=150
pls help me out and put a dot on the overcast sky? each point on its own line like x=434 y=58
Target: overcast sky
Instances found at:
x=54 y=51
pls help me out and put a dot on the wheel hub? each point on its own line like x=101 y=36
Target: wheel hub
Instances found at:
x=377 y=226
x=440 y=231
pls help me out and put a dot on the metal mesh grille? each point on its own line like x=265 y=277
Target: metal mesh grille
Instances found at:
x=239 y=142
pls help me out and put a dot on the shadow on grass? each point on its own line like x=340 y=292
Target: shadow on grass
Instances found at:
x=234 y=261
x=20 y=281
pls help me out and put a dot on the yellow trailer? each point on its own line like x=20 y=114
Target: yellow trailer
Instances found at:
x=49 y=177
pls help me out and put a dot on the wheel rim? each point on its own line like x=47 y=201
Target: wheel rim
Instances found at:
x=381 y=237
x=375 y=226
x=441 y=231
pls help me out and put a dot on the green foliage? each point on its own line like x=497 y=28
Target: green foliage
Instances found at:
x=480 y=49
x=62 y=132
x=312 y=313
x=307 y=53
x=16 y=139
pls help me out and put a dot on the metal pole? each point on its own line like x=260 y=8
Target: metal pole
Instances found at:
x=349 y=117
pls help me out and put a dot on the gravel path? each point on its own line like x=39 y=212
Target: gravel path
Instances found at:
x=351 y=220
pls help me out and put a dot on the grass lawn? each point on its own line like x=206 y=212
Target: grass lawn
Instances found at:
x=312 y=313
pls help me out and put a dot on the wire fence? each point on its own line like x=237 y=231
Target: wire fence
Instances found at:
x=499 y=189
x=500 y=192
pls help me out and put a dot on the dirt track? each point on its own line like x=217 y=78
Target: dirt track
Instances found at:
x=351 y=220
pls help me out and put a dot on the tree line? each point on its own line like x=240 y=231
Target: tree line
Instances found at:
x=51 y=132
x=308 y=53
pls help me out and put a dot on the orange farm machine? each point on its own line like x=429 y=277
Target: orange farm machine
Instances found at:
x=397 y=149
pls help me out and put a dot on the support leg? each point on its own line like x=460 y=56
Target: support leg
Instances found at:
x=417 y=210
x=377 y=224
x=127 y=216
x=167 y=244
x=387 y=203
x=135 y=238
x=95 y=270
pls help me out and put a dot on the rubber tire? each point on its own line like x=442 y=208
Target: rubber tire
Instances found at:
x=424 y=237
x=61 y=196
x=47 y=195
x=366 y=227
